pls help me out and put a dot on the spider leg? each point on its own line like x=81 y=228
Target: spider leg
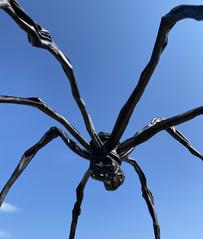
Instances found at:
x=38 y=103
x=164 y=124
x=52 y=133
x=176 y=134
x=125 y=153
x=40 y=37
x=167 y=22
x=147 y=195
x=77 y=207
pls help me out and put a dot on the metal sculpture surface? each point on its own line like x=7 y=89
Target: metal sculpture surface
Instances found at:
x=105 y=152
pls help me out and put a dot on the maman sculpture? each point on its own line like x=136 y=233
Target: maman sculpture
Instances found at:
x=104 y=151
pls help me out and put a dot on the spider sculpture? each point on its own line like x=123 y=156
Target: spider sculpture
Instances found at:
x=105 y=152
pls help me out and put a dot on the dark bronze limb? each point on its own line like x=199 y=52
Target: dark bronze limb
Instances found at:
x=36 y=34
x=38 y=103
x=76 y=94
x=167 y=22
x=52 y=133
x=77 y=207
x=40 y=37
x=149 y=131
x=147 y=195
x=176 y=134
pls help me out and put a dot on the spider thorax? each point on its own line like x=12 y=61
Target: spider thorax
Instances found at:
x=106 y=166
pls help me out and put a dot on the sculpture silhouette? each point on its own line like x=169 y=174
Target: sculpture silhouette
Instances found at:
x=105 y=152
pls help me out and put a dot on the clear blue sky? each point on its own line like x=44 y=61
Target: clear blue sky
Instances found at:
x=109 y=43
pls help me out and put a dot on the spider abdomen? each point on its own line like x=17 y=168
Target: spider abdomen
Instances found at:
x=108 y=171
x=105 y=167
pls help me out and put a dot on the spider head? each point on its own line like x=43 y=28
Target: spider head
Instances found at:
x=107 y=170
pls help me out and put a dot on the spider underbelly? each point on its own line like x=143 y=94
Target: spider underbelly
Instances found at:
x=106 y=167
x=107 y=170
x=111 y=182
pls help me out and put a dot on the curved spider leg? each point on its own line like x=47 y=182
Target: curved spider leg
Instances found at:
x=52 y=133
x=77 y=207
x=167 y=22
x=147 y=195
x=164 y=124
x=125 y=153
x=41 y=38
x=35 y=33
x=176 y=134
x=38 y=103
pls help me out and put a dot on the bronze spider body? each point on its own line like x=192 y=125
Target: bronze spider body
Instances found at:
x=105 y=152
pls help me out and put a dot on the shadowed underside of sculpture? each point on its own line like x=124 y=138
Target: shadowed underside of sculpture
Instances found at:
x=104 y=152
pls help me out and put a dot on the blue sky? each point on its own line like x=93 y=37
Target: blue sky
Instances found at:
x=109 y=44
